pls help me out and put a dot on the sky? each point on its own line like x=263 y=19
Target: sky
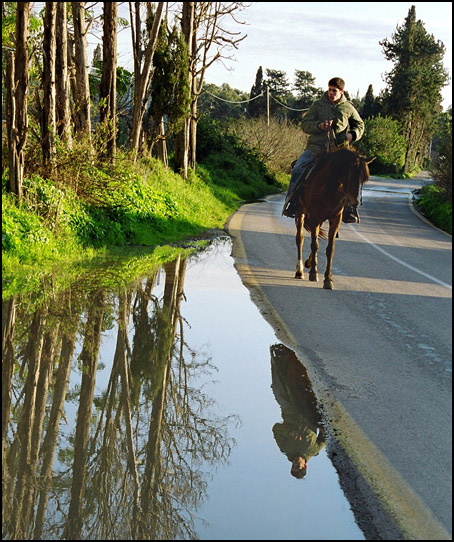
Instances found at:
x=328 y=39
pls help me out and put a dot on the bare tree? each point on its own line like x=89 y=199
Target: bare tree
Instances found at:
x=142 y=74
x=48 y=120
x=16 y=104
x=108 y=86
x=62 y=106
x=82 y=89
x=207 y=38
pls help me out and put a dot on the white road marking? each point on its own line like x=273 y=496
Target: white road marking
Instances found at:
x=401 y=262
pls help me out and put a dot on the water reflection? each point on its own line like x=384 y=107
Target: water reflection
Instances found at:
x=301 y=435
x=105 y=449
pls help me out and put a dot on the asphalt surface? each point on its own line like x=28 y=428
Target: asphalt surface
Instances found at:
x=378 y=349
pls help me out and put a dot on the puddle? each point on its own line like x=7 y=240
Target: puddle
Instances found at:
x=164 y=409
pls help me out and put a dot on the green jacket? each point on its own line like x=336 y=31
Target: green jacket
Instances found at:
x=308 y=445
x=346 y=119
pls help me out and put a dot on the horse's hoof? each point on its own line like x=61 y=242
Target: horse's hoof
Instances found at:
x=313 y=278
x=328 y=284
x=299 y=275
x=308 y=264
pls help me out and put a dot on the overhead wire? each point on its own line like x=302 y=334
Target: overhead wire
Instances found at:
x=231 y=102
x=254 y=98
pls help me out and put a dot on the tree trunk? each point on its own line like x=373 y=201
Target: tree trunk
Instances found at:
x=82 y=119
x=194 y=119
x=49 y=446
x=161 y=144
x=143 y=81
x=182 y=141
x=8 y=360
x=62 y=92
x=48 y=125
x=25 y=466
x=108 y=87
x=89 y=359
x=16 y=103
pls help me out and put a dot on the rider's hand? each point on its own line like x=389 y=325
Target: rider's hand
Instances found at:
x=325 y=124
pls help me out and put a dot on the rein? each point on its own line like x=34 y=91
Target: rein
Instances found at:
x=331 y=143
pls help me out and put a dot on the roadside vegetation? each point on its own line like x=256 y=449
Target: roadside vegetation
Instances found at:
x=87 y=209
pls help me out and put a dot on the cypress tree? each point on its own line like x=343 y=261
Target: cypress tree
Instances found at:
x=257 y=105
x=370 y=107
x=415 y=83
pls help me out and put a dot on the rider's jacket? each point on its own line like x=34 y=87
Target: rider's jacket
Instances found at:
x=345 y=120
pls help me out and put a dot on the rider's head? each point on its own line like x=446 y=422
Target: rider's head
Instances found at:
x=335 y=88
x=299 y=467
x=337 y=82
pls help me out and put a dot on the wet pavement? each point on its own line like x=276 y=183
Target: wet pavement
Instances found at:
x=162 y=408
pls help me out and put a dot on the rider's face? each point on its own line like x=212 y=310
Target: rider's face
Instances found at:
x=334 y=94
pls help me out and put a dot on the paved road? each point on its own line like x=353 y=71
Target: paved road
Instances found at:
x=378 y=349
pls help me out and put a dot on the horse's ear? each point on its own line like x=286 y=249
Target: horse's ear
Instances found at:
x=371 y=159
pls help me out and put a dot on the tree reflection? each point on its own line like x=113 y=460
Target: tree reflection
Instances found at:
x=90 y=456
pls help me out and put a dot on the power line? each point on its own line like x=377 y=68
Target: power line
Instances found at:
x=286 y=106
x=231 y=102
x=254 y=98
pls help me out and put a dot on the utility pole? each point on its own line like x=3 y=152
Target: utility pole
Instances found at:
x=267 y=105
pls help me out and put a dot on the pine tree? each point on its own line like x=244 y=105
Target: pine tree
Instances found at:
x=306 y=91
x=414 y=94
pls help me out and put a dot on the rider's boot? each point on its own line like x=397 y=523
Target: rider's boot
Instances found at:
x=290 y=210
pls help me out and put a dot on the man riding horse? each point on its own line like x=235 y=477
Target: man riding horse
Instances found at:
x=331 y=122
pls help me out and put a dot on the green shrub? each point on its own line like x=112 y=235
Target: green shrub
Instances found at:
x=233 y=163
x=382 y=138
x=441 y=169
x=432 y=203
x=276 y=143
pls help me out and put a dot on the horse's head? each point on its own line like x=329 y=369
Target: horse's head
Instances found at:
x=357 y=175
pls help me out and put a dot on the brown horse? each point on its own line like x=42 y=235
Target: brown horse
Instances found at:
x=333 y=181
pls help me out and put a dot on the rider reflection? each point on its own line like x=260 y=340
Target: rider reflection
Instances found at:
x=301 y=435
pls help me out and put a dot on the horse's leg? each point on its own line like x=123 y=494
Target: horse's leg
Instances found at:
x=334 y=225
x=313 y=273
x=308 y=262
x=299 y=220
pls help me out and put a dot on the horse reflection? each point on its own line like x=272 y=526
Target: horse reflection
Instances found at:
x=301 y=434
x=335 y=180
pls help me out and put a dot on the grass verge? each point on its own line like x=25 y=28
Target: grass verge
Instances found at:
x=92 y=211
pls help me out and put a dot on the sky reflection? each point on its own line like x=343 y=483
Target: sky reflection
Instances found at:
x=160 y=409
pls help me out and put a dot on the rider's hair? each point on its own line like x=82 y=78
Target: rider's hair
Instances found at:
x=337 y=82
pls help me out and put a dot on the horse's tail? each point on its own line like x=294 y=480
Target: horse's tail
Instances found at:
x=321 y=232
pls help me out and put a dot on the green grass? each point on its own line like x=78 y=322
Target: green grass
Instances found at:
x=92 y=212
